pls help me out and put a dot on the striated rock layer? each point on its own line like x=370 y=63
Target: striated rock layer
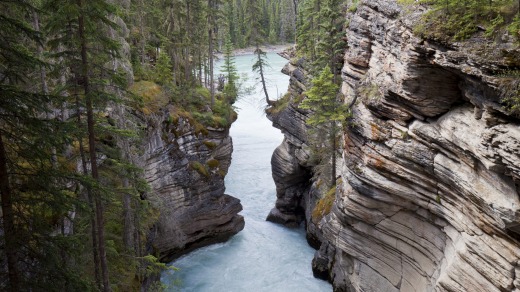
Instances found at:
x=185 y=168
x=291 y=173
x=429 y=198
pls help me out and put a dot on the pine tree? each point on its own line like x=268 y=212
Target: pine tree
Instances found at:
x=211 y=29
x=163 y=68
x=229 y=69
x=327 y=112
x=35 y=197
x=256 y=36
x=308 y=28
x=330 y=46
x=259 y=66
x=15 y=62
x=84 y=30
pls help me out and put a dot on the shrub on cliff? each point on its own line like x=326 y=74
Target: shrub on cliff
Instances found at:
x=509 y=85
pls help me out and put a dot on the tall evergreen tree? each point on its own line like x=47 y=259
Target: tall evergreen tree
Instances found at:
x=212 y=7
x=327 y=114
x=330 y=46
x=229 y=68
x=83 y=29
x=34 y=194
x=257 y=37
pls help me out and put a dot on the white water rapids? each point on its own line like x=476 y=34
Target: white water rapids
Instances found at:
x=264 y=256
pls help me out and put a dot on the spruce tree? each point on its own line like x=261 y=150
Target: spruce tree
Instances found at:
x=83 y=29
x=327 y=114
x=330 y=46
x=35 y=197
x=229 y=69
x=211 y=29
x=256 y=36
x=163 y=68
x=15 y=62
x=260 y=66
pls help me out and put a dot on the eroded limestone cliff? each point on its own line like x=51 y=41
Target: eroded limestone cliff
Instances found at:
x=428 y=198
x=185 y=168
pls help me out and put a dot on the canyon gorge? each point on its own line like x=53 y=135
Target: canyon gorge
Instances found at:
x=427 y=196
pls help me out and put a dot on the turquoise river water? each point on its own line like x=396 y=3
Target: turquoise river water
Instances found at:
x=264 y=256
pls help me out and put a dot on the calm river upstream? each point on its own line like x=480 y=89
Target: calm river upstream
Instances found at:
x=264 y=256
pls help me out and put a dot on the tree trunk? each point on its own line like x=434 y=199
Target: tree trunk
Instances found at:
x=200 y=69
x=210 y=52
x=295 y=3
x=92 y=149
x=93 y=228
x=142 y=41
x=128 y=229
x=187 y=68
x=333 y=149
x=8 y=222
x=262 y=79
x=43 y=80
x=43 y=73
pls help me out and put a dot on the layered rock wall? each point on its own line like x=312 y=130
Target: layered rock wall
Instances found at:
x=429 y=198
x=185 y=168
x=291 y=171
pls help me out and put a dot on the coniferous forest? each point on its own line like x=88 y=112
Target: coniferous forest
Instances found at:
x=75 y=77
x=80 y=79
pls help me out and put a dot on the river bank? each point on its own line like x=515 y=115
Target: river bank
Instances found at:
x=251 y=50
x=264 y=257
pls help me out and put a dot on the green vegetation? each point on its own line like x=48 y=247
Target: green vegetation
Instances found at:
x=353 y=8
x=279 y=104
x=213 y=163
x=231 y=89
x=438 y=199
x=200 y=168
x=259 y=67
x=70 y=220
x=324 y=205
x=320 y=34
x=369 y=92
x=153 y=96
x=210 y=144
x=404 y=135
x=277 y=17
x=328 y=113
x=191 y=105
x=73 y=213
x=509 y=84
x=257 y=36
x=454 y=20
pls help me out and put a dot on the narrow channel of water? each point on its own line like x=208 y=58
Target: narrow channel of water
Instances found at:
x=264 y=256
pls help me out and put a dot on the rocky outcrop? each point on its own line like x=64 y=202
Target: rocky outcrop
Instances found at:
x=430 y=193
x=290 y=167
x=291 y=162
x=185 y=167
x=429 y=198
